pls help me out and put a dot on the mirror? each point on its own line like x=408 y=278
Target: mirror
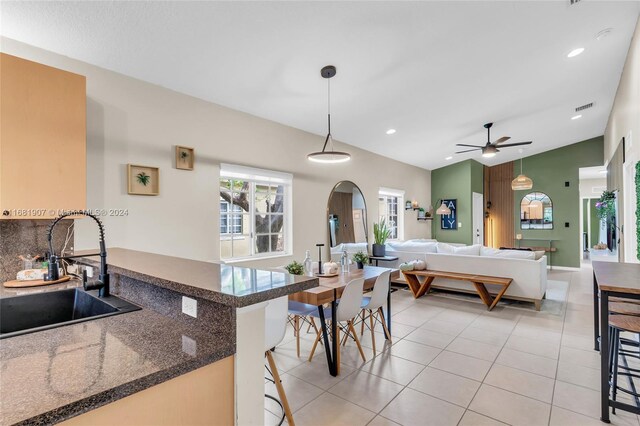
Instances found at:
x=347 y=215
x=536 y=211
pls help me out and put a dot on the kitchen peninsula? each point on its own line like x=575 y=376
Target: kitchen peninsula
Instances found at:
x=104 y=362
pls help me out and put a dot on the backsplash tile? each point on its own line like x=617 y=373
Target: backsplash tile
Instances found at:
x=23 y=237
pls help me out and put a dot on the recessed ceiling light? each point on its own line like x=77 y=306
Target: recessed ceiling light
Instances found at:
x=391 y=131
x=575 y=117
x=575 y=52
x=449 y=158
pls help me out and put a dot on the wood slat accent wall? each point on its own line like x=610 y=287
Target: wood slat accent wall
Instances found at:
x=499 y=226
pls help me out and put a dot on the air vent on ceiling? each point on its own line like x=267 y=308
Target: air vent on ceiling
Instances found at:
x=585 y=106
x=574 y=1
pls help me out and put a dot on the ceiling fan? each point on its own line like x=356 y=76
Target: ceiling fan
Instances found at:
x=491 y=149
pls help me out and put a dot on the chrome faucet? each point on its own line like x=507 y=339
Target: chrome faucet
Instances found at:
x=102 y=285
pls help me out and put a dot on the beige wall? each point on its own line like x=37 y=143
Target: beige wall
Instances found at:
x=624 y=121
x=130 y=121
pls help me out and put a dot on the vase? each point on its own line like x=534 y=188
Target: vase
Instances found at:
x=378 y=250
x=360 y=265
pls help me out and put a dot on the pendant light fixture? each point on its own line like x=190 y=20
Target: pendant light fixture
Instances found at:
x=522 y=182
x=443 y=209
x=330 y=155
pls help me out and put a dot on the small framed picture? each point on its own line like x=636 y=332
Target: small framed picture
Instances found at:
x=143 y=180
x=184 y=158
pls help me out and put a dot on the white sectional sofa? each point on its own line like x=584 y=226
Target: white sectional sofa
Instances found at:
x=527 y=269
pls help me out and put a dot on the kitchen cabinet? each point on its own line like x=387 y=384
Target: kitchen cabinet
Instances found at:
x=200 y=397
x=42 y=140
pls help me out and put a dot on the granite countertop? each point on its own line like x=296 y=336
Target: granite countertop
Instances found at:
x=51 y=375
x=226 y=284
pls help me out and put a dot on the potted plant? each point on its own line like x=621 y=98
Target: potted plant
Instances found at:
x=295 y=268
x=421 y=212
x=380 y=235
x=360 y=258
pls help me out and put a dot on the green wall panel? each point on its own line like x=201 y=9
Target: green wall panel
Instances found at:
x=549 y=171
x=456 y=181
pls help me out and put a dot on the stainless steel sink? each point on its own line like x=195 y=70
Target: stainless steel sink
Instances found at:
x=42 y=311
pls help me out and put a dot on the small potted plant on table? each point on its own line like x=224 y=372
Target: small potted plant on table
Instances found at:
x=360 y=258
x=380 y=234
x=295 y=268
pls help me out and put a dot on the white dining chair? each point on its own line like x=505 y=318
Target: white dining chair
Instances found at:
x=299 y=315
x=275 y=326
x=372 y=307
x=347 y=310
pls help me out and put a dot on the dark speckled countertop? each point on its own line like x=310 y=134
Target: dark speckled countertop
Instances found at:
x=230 y=285
x=52 y=375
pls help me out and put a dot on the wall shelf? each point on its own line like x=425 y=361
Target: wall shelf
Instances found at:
x=425 y=218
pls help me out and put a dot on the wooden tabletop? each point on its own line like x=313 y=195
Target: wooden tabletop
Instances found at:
x=619 y=277
x=333 y=287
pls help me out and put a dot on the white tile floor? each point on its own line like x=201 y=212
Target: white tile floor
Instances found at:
x=454 y=363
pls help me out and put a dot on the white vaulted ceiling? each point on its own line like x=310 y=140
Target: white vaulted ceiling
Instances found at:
x=435 y=71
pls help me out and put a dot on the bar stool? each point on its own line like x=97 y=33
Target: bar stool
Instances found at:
x=275 y=329
x=618 y=348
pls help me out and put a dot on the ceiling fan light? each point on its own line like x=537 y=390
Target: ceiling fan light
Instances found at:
x=488 y=154
x=329 y=157
x=522 y=182
x=443 y=210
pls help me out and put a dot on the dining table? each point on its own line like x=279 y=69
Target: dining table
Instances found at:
x=329 y=292
x=611 y=279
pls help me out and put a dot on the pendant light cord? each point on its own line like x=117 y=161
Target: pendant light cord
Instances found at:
x=329 y=137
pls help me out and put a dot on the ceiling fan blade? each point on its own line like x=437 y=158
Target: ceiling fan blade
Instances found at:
x=502 y=139
x=469 y=150
x=474 y=146
x=516 y=144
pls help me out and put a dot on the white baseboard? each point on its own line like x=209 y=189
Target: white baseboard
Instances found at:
x=563 y=268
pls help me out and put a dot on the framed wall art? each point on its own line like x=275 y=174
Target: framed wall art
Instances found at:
x=143 y=180
x=184 y=158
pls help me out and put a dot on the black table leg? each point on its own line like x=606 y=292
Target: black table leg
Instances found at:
x=604 y=356
x=596 y=312
x=334 y=337
x=389 y=307
x=325 y=336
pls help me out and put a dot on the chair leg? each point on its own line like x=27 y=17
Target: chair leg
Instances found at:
x=363 y=317
x=315 y=343
x=296 y=326
x=373 y=334
x=280 y=388
x=616 y=355
x=384 y=324
x=355 y=336
x=313 y=323
x=338 y=350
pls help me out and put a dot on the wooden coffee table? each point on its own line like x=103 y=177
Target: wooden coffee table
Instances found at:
x=419 y=288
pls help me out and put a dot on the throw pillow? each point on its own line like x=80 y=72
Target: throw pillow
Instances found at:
x=539 y=254
x=473 y=250
x=444 y=248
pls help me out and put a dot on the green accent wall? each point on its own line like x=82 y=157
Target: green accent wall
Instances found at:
x=549 y=171
x=457 y=181
x=594 y=232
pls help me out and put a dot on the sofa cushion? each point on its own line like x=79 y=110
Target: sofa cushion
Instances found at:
x=489 y=251
x=539 y=254
x=516 y=254
x=411 y=246
x=444 y=248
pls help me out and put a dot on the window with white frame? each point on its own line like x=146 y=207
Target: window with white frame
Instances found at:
x=255 y=212
x=390 y=208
